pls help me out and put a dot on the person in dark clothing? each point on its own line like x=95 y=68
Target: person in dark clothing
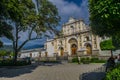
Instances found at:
x=119 y=57
x=110 y=63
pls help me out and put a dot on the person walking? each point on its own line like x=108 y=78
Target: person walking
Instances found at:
x=110 y=63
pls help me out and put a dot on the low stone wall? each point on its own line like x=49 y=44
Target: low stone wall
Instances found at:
x=70 y=58
x=95 y=52
x=103 y=57
x=47 y=59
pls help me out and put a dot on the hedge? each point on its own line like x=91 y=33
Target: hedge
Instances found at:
x=11 y=63
x=88 y=60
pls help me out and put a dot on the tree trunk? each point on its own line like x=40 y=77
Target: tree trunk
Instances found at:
x=111 y=53
x=15 y=57
x=3 y=57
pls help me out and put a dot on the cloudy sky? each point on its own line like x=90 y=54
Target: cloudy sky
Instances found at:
x=66 y=8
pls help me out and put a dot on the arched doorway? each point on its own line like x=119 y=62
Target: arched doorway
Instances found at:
x=73 y=46
x=88 y=48
x=46 y=54
x=61 y=51
x=74 y=49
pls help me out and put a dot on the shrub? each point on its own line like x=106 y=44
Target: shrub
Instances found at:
x=85 y=60
x=92 y=60
x=82 y=59
x=11 y=63
x=75 y=59
x=54 y=61
x=96 y=60
x=113 y=75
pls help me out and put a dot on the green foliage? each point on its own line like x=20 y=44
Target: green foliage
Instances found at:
x=107 y=45
x=5 y=27
x=113 y=75
x=88 y=60
x=116 y=41
x=50 y=61
x=96 y=60
x=24 y=15
x=104 y=17
x=85 y=60
x=75 y=60
x=11 y=63
x=11 y=54
x=92 y=60
x=3 y=53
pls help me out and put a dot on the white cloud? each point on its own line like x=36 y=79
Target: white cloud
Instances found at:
x=67 y=9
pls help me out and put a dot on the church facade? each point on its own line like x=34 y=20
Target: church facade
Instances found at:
x=76 y=39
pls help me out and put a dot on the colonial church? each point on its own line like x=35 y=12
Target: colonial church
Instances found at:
x=76 y=39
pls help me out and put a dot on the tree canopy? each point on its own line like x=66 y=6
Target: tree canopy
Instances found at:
x=27 y=16
x=107 y=45
x=5 y=28
x=105 y=17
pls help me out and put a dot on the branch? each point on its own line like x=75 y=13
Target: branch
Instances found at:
x=55 y=31
x=30 y=34
x=26 y=42
x=29 y=38
x=22 y=45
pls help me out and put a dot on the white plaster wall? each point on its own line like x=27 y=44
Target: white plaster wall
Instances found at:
x=27 y=54
x=50 y=49
x=69 y=49
x=42 y=53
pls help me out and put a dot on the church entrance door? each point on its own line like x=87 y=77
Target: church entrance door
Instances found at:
x=74 y=49
x=73 y=46
x=61 y=51
x=89 y=49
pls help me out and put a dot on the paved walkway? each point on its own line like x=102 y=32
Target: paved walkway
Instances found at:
x=65 y=71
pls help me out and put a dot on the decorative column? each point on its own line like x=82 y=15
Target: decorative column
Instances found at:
x=65 y=45
x=78 y=41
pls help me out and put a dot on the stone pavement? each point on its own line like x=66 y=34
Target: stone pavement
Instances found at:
x=67 y=71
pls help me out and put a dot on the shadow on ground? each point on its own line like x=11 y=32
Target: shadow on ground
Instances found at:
x=96 y=74
x=9 y=72
x=92 y=76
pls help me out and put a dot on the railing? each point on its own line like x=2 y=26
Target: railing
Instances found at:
x=96 y=74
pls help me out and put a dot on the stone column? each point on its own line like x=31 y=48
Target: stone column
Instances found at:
x=82 y=40
x=78 y=41
x=65 y=45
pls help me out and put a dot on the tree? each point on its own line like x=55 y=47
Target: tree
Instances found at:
x=5 y=28
x=105 y=17
x=3 y=53
x=30 y=19
x=107 y=45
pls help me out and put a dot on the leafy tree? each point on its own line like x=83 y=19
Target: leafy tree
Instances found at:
x=5 y=28
x=25 y=17
x=116 y=41
x=3 y=53
x=105 y=17
x=107 y=45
